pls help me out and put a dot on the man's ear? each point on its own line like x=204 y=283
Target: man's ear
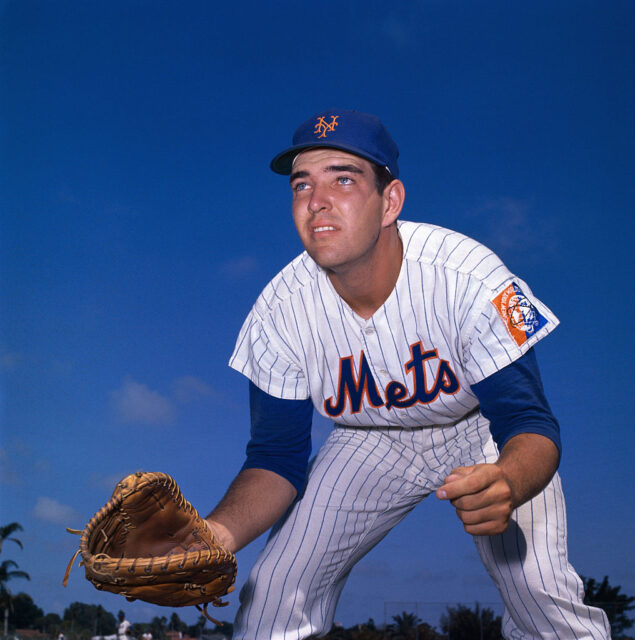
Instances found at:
x=394 y=196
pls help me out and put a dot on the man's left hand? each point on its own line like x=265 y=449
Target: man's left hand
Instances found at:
x=482 y=497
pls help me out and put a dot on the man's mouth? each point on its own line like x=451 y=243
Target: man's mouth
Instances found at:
x=320 y=229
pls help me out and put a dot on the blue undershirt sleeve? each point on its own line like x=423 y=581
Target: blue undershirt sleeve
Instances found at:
x=280 y=436
x=514 y=402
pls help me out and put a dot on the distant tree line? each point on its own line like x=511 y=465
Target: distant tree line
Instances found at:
x=457 y=623
x=83 y=621
x=462 y=623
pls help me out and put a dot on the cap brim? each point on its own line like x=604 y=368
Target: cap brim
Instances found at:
x=283 y=162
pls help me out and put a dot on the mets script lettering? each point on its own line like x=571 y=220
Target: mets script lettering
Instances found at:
x=363 y=388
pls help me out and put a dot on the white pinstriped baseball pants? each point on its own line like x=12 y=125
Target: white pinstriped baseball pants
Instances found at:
x=362 y=483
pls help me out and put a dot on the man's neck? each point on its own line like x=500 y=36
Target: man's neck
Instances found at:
x=366 y=287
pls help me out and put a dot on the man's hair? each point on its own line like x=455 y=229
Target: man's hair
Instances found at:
x=383 y=177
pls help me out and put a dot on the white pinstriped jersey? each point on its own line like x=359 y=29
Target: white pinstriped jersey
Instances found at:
x=455 y=316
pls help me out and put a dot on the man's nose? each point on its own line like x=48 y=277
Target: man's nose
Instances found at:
x=318 y=201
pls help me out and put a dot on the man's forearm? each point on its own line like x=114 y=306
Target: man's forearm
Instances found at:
x=528 y=462
x=255 y=500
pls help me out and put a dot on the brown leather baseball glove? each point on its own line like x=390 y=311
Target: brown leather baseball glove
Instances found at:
x=149 y=543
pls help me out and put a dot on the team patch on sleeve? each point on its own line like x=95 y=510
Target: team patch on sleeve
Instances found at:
x=519 y=315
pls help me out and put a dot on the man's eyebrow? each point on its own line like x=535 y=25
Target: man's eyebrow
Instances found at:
x=350 y=168
x=298 y=174
x=334 y=168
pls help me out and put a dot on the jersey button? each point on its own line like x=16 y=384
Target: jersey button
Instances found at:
x=369 y=331
x=383 y=372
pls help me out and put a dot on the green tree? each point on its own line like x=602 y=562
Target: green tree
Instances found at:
x=338 y=632
x=25 y=613
x=405 y=625
x=226 y=628
x=138 y=629
x=158 y=627
x=6 y=574
x=105 y=623
x=7 y=530
x=615 y=604
x=50 y=623
x=89 y=620
x=196 y=630
x=367 y=631
x=176 y=624
x=426 y=632
x=463 y=623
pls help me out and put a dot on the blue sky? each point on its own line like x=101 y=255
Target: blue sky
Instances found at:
x=140 y=220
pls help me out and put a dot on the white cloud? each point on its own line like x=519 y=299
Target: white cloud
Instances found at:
x=8 y=473
x=136 y=403
x=399 y=32
x=405 y=31
x=239 y=267
x=108 y=482
x=507 y=220
x=11 y=361
x=190 y=388
x=50 y=510
x=514 y=224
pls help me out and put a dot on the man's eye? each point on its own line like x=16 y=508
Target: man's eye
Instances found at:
x=300 y=186
x=345 y=180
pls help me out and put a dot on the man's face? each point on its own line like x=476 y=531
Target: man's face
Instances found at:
x=336 y=208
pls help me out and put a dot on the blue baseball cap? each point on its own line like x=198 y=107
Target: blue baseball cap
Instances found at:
x=361 y=134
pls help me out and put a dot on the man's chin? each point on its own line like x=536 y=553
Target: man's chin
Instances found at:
x=324 y=259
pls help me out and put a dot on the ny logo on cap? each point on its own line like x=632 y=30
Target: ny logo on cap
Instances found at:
x=323 y=127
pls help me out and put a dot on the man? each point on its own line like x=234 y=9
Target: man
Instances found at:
x=417 y=342
x=123 y=628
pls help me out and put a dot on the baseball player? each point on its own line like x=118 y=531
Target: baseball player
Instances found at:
x=417 y=342
x=123 y=628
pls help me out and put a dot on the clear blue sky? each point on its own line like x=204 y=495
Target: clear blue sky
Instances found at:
x=140 y=220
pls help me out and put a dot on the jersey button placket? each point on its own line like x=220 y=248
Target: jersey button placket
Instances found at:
x=369 y=338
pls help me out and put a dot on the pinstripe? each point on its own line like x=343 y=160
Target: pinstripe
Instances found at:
x=560 y=568
x=306 y=568
x=467 y=256
x=537 y=559
x=529 y=591
x=413 y=313
x=562 y=603
x=461 y=303
x=423 y=246
x=457 y=330
x=489 y=352
x=386 y=362
x=315 y=370
x=357 y=515
x=319 y=335
x=281 y=550
x=507 y=575
x=464 y=445
x=438 y=282
x=567 y=570
x=427 y=321
x=400 y=318
x=558 y=508
x=496 y=573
